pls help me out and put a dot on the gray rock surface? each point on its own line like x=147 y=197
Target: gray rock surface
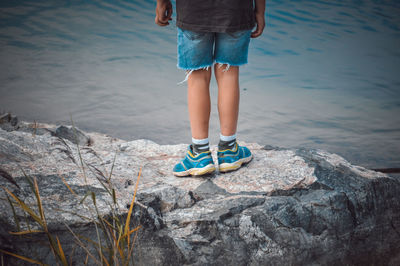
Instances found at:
x=286 y=207
x=72 y=134
x=8 y=122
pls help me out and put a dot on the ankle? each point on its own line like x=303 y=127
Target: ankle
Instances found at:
x=200 y=145
x=226 y=142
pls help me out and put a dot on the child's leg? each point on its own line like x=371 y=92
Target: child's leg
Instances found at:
x=230 y=155
x=198 y=159
x=195 y=51
x=228 y=98
x=199 y=104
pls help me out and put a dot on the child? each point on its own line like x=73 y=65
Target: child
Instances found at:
x=209 y=32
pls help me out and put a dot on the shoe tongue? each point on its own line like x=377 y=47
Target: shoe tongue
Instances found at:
x=233 y=147
x=193 y=151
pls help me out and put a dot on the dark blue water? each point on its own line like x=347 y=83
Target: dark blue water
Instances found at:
x=325 y=74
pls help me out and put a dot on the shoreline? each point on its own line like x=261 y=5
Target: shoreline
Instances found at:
x=11 y=122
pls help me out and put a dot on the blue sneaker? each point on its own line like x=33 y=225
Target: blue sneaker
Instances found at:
x=232 y=159
x=195 y=165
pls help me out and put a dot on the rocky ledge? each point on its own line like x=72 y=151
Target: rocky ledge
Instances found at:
x=286 y=207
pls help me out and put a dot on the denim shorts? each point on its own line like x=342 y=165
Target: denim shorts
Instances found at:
x=200 y=50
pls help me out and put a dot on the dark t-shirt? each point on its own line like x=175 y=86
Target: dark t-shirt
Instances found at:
x=215 y=15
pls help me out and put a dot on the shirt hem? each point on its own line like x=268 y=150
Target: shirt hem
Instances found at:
x=207 y=28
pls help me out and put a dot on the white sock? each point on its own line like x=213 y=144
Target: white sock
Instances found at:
x=227 y=138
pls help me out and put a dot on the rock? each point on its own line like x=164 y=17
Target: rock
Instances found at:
x=8 y=122
x=73 y=134
x=286 y=207
x=14 y=120
x=35 y=128
x=5 y=118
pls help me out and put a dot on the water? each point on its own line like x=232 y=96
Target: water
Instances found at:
x=325 y=74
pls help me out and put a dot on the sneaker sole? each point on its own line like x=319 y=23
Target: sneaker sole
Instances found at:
x=197 y=171
x=227 y=167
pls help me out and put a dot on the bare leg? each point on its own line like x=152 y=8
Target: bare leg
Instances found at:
x=228 y=98
x=199 y=103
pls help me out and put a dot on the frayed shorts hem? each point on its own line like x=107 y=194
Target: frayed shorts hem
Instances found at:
x=211 y=65
x=206 y=67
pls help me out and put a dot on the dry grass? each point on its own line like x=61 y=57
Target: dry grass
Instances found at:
x=113 y=246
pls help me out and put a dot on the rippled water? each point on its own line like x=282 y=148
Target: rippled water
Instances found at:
x=325 y=74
